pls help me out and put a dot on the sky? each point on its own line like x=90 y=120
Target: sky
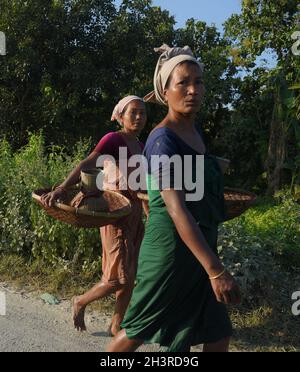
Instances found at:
x=210 y=11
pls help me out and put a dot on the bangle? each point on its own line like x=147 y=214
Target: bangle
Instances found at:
x=217 y=276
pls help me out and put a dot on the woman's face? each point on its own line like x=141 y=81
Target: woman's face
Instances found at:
x=185 y=90
x=134 y=117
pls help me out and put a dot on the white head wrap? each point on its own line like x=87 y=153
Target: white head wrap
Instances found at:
x=169 y=59
x=120 y=107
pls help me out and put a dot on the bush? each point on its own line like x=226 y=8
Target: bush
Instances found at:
x=278 y=226
x=262 y=248
x=247 y=259
x=24 y=227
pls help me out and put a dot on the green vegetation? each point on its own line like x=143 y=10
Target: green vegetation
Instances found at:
x=67 y=64
x=262 y=249
x=24 y=227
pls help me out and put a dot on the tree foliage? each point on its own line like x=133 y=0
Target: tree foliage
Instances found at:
x=68 y=62
x=268 y=26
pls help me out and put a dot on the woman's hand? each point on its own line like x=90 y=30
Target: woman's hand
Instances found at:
x=50 y=198
x=226 y=289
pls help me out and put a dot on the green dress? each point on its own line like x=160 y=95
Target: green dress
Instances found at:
x=173 y=303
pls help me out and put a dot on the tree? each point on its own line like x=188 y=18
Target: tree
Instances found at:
x=267 y=25
x=69 y=62
x=53 y=73
x=138 y=28
x=212 y=50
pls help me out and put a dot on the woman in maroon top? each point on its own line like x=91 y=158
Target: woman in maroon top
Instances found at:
x=120 y=242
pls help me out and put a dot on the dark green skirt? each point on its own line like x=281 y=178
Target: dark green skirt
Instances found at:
x=173 y=303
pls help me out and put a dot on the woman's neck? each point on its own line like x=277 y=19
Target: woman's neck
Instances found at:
x=130 y=135
x=180 y=121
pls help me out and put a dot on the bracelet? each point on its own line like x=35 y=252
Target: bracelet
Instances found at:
x=217 y=276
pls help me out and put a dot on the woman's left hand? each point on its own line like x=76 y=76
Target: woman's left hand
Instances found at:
x=226 y=289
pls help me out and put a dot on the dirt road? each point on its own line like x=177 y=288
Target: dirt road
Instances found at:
x=31 y=325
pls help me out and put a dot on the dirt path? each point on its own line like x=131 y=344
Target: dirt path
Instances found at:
x=30 y=325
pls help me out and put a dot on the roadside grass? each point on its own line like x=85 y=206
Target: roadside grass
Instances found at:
x=262 y=249
x=64 y=283
x=265 y=329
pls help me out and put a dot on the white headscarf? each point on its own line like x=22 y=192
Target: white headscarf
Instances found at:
x=120 y=107
x=169 y=59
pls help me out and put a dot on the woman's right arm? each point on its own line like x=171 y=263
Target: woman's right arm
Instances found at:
x=73 y=178
x=225 y=287
x=109 y=144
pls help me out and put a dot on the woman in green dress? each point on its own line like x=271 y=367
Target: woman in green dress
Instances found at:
x=181 y=285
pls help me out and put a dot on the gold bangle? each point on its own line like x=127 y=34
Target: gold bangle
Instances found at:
x=217 y=276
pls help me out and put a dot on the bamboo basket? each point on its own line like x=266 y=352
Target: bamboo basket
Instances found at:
x=95 y=210
x=237 y=201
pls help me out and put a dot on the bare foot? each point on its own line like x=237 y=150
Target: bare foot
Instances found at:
x=78 y=315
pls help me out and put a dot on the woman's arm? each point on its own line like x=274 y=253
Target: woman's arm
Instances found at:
x=225 y=288
x=109 y=144
x=74 y=176
x=72 y=179
x=189 y=231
